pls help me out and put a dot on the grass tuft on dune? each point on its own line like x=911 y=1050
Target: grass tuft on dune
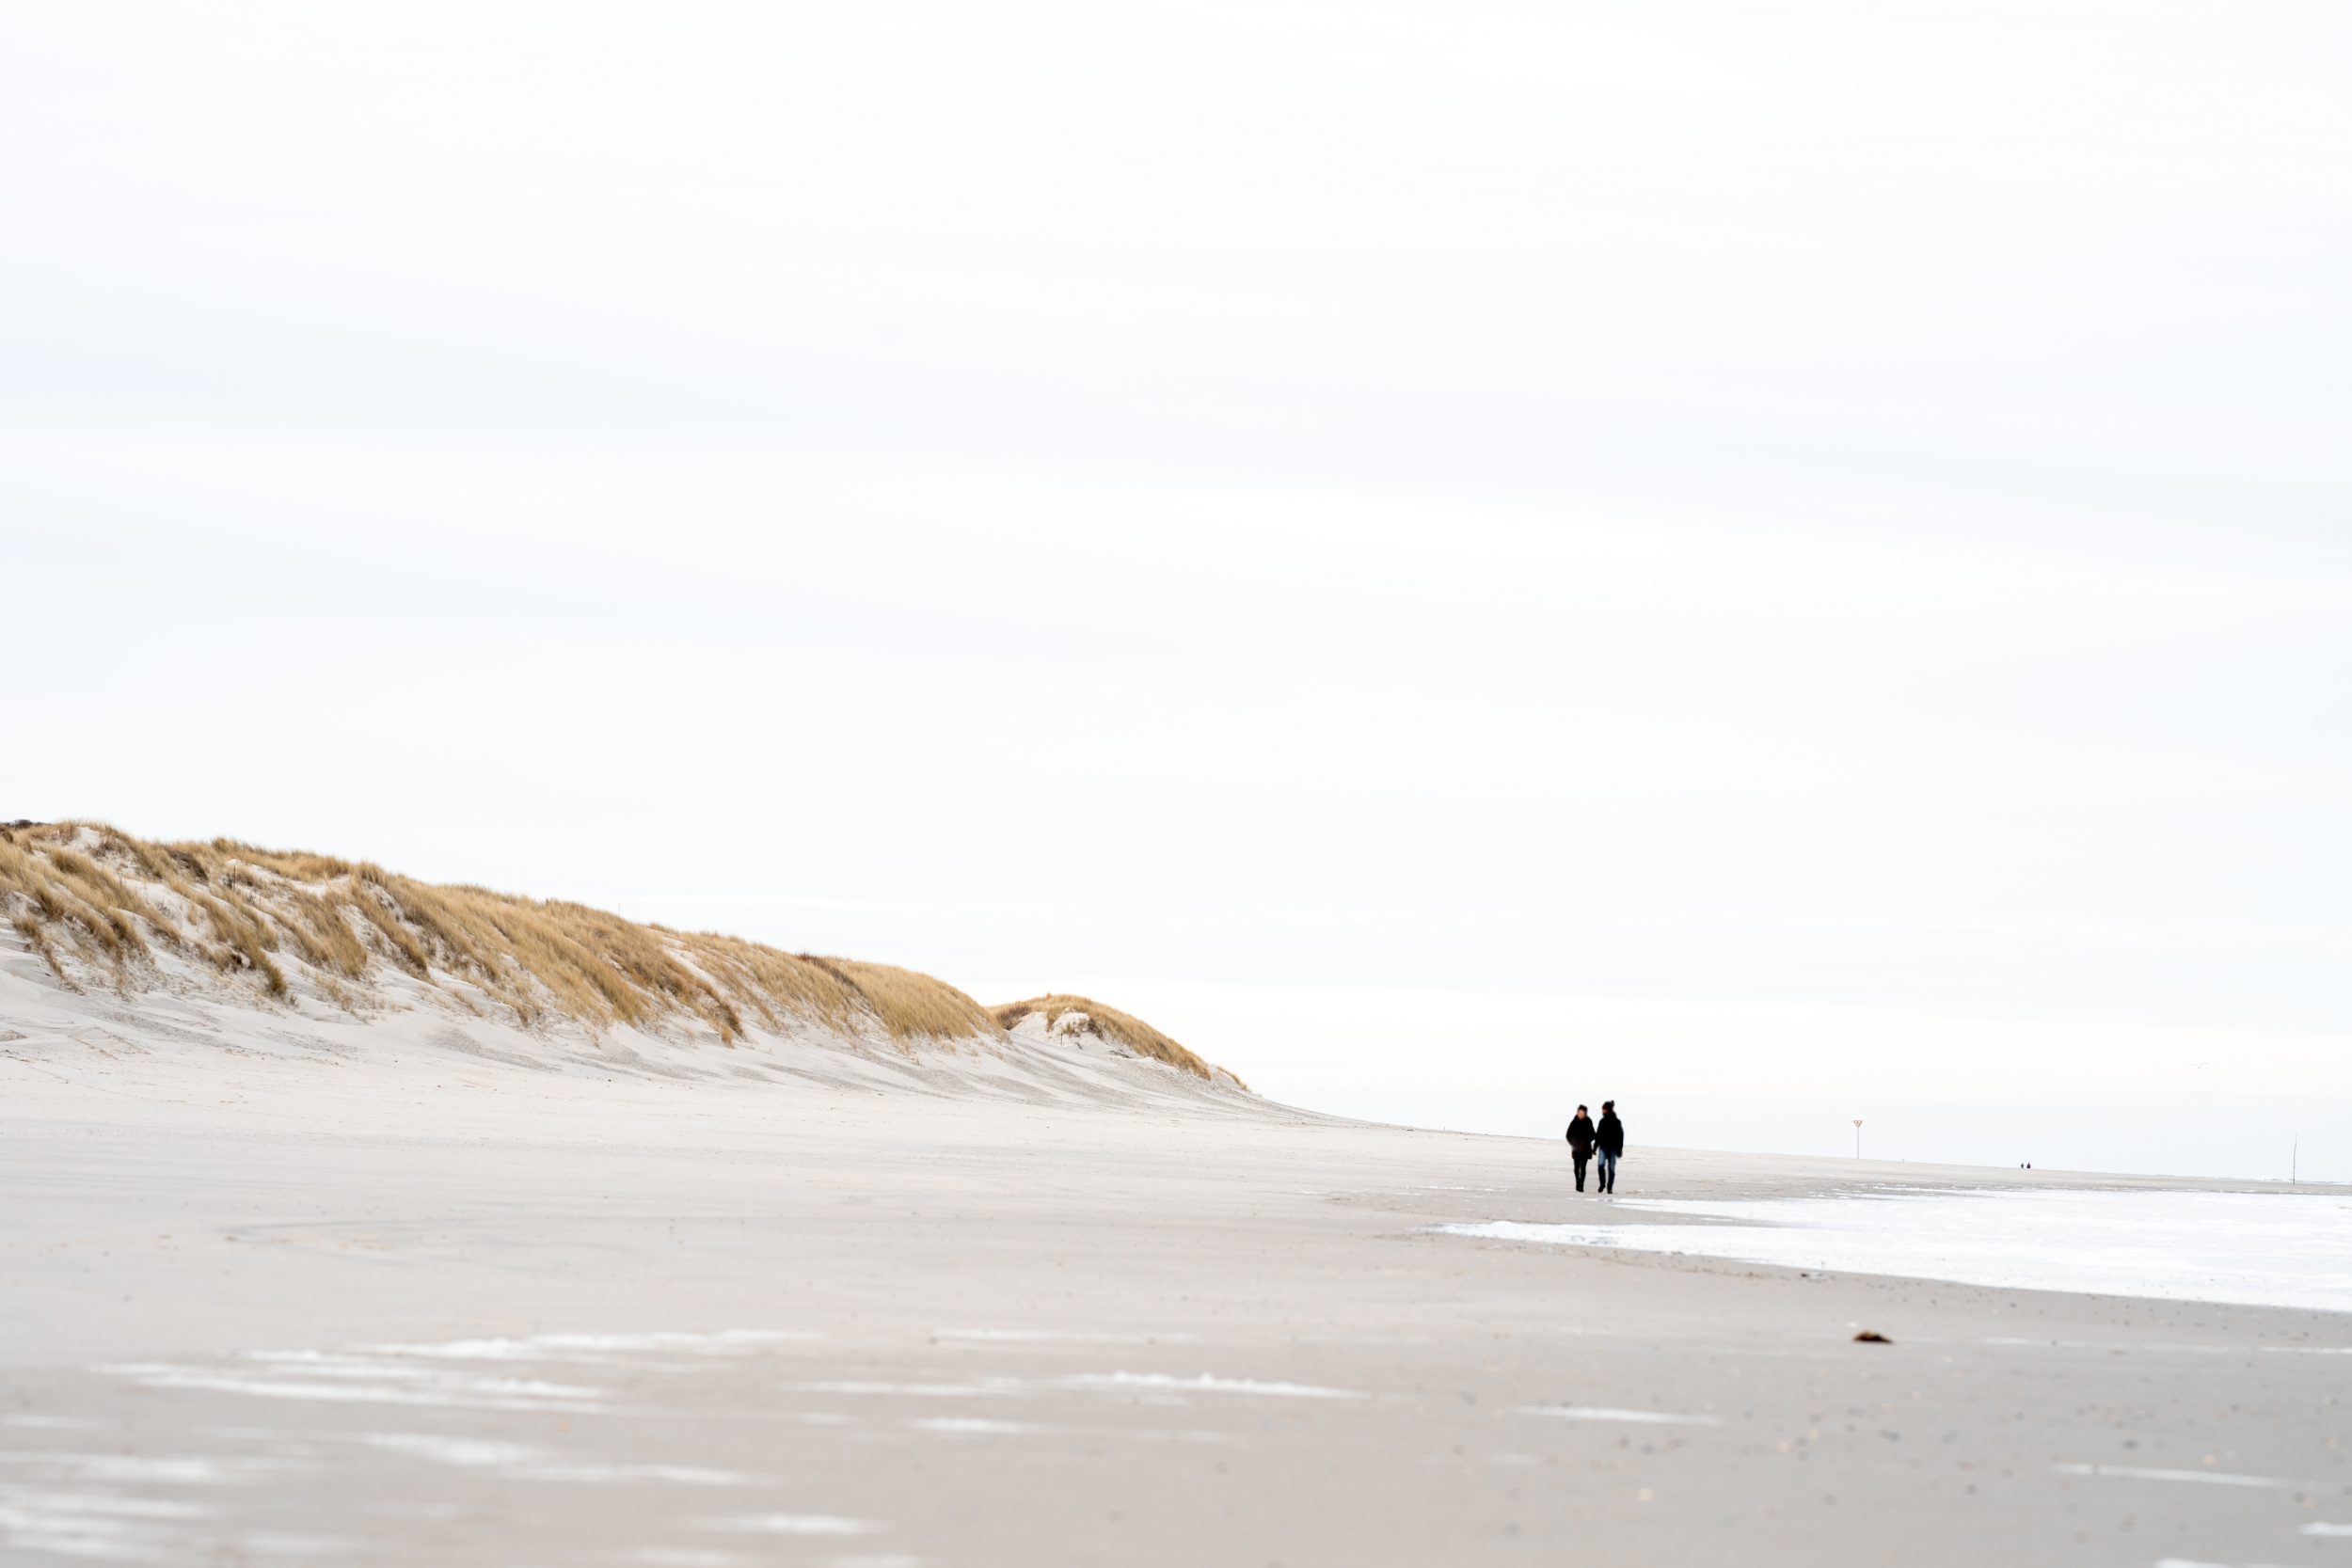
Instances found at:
x=91 y=893
x=1108 y=1023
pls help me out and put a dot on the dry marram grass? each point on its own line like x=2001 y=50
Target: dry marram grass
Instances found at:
x=89 y=892
x=1108 y=1023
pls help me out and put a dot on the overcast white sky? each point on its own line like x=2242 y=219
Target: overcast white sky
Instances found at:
x=1751 y=550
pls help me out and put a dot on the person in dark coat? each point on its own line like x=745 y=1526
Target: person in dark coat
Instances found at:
x=1581 y=1143
x=1609 y=1135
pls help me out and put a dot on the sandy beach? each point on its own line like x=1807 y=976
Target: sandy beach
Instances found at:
x=345 y=1313
x=329 y=1256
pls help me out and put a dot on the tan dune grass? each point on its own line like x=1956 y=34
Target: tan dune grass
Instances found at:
x=1109 y=1023
x=91 y=892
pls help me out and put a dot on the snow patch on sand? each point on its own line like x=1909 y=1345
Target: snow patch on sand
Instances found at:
x=791 y=1524
x=519 y=1463
x=467 y=1451
x=1599 y=1413
x=972 y=1426
x=920 y=1390
x=2208 y=1478
x=161 y=1470
x=1206 y=1383
x=1051 y=1336
x=598 y=1347
x=362 y=1380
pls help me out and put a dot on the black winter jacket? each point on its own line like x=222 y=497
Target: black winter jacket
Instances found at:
x=1581 y=1134
x=1612 y=1135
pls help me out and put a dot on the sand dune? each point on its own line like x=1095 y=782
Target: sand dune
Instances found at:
x=1088 y=1023
x=168 y=957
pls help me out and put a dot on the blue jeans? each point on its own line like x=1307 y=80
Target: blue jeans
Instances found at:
x=1608 y=1172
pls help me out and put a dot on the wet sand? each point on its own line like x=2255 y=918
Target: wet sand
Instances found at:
x=486 y=1316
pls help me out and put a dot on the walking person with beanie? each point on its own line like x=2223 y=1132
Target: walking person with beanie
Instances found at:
x=1609 y=1135
x=1581 y=1143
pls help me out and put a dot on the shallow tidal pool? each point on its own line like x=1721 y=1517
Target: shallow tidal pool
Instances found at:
x=2251 y=1248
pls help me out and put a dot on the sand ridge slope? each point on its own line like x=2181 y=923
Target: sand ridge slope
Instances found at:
x=160 y=957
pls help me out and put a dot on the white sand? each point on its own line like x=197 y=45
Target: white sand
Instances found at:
x=378 y=1300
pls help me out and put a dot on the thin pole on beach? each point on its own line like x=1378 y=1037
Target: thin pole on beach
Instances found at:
x=1858 y=1137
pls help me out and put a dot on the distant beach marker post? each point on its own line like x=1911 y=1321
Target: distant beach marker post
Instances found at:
x=1858 y=1137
